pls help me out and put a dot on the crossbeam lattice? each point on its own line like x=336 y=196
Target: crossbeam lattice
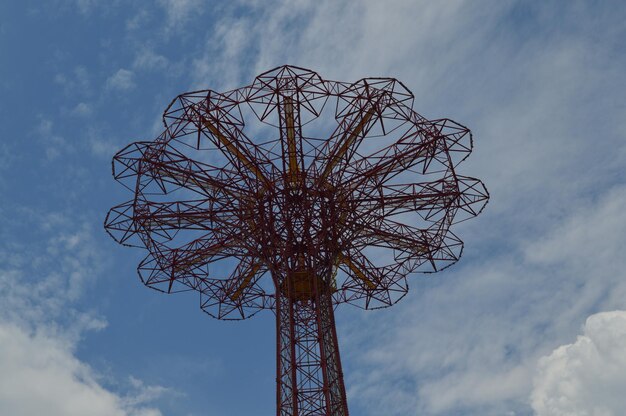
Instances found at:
x=296 y=194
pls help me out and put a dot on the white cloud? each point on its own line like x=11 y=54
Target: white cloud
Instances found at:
x=460 y=62
x=178 y=12
x=53 y=144
x=75 y=82
x=587 y=377
x=138 y=20
x=45 y=127
x=100 y=145
x=42 y=280
x=41 y=326
x=6 y=157
x=86 y=6
x=81 y=110
x=145 y=394
x=41 y=376
x=346 y=40
x=147 y=59
x=122 y=80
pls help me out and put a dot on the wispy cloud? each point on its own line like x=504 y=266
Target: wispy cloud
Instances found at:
x=53 y=144
x=179 y=12
x=122 y=80
x=138 y=20
x=75 y=82
x=81 y=110
x=100 y=145
x=86 y=8
x=147 y=59
x=41 y=282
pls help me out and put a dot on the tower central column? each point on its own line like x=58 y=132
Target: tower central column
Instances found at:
x=309 y=376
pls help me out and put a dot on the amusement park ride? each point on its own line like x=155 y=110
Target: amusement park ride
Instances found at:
x=296 y=194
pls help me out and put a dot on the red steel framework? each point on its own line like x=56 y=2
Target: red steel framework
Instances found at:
x=296 y=194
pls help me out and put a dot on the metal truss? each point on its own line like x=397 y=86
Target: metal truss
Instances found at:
x=296 y=194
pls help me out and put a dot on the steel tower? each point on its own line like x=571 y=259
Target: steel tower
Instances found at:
x=296 y=194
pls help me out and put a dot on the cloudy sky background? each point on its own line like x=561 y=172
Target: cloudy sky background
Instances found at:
x=531 y=321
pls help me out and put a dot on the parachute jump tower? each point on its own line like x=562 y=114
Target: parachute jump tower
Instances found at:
x=296 y=194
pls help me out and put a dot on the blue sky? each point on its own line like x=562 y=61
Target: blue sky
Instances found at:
x=531 y=321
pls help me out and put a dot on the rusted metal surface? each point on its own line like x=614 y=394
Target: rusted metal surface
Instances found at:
x=296 y=194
